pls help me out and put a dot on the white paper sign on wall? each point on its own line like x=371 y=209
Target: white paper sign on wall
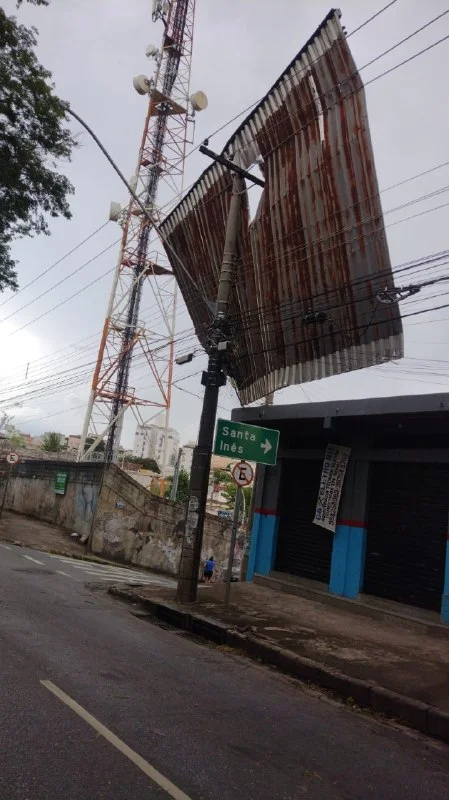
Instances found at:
x=331 y=484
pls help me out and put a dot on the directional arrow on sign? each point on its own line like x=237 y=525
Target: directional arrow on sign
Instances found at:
x=247 y=442
x=266 y=446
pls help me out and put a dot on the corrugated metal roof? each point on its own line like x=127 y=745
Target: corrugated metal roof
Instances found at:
x=317 y=242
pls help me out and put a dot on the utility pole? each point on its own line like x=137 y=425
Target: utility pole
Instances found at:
x=212 y=379
x=174 y=486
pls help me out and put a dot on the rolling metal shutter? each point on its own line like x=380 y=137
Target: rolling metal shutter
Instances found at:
x=303 y=548
x=407 y=532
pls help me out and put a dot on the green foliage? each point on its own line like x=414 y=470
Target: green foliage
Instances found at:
x=52 y=442
x=182 y=494
x=15 y=439
x=221 y=476
x=34 y=2
x=146 y=463
x=230 y=492
x=32 y=139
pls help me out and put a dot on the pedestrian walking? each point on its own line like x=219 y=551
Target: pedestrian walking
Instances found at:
x=209 y=567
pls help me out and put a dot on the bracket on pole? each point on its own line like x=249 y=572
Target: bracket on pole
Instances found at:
x=231 y=166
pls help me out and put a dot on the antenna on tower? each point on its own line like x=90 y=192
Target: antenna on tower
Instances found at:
x=125 y=336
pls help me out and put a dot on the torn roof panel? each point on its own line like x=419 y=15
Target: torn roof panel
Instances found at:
x=317 y=243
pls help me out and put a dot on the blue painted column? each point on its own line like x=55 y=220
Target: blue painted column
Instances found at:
x=445 y=598
x=349 y=547
x=348 y=558
x=263 y=542
x=262 y=552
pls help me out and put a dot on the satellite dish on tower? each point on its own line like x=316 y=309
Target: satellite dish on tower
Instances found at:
x=151 y=51
x=199 y=101
x=115 y=210
x=142 y=84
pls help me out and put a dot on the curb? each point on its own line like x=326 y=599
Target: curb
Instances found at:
x=421 y=716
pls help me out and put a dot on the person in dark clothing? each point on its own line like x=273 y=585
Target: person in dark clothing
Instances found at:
x=209 y=567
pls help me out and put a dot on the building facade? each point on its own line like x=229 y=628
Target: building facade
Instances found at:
x=73 y=441
x=149 y=442
x=187 y=456
x=391 y=537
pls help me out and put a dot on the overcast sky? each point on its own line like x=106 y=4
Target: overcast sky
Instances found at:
x=94 y=48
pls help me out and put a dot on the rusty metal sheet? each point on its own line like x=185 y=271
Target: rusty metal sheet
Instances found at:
x=317 y=243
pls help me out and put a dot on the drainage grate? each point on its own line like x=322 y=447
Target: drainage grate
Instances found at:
x=193 y=637
x=159 y=622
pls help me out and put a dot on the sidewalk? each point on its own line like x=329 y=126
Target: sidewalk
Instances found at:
x=334 y=647
x=38 y=535
x=21 y=530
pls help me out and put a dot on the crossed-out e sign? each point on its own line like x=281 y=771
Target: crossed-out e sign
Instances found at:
x=242 y=473
x=248 y=442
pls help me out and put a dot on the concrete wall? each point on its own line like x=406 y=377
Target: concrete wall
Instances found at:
x=133 y=526
x=31 y=491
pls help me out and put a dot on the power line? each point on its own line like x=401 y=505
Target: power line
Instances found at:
x=268 y=129
x=404 y=62
x=311 y=62
x=59 y=283
x=333 y=234
x=327 y=295
x=56 y=263
x=66 y=300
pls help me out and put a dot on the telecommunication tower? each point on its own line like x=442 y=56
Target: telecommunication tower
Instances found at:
x=126 y=337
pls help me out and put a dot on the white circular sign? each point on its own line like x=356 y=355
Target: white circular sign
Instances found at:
x=12 y=458
x=242 y=473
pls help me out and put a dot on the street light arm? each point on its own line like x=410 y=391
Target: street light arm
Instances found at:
x=135 y=197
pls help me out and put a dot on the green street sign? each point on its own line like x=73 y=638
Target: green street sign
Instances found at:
x=61 y=481
x=246 y=442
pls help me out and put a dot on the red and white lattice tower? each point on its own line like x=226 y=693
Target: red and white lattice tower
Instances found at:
x=127 y=338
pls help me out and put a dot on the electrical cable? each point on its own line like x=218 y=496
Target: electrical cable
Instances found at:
x=137 y=199
x=55 y=264
x=268 y=129
x=292 y=251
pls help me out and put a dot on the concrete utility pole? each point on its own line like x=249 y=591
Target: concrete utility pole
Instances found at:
x=174 y=486
x=212 y=380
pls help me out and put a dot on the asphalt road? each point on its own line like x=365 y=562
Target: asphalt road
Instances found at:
x=213 y=725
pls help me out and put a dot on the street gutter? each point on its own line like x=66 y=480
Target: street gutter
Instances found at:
x=423 y=717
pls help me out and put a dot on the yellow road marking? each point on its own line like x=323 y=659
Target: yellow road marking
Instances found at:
x=139 y=762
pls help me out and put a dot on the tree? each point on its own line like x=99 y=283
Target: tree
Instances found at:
x=15 y=439
x=221 y=476
x=182 y=494
x=230 y=491
x=146 y=463
x=32 y=139
x=52 y=442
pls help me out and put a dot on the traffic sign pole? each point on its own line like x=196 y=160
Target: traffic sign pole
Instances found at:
x=6 y=489
x=235 y=525
x=11 y=459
